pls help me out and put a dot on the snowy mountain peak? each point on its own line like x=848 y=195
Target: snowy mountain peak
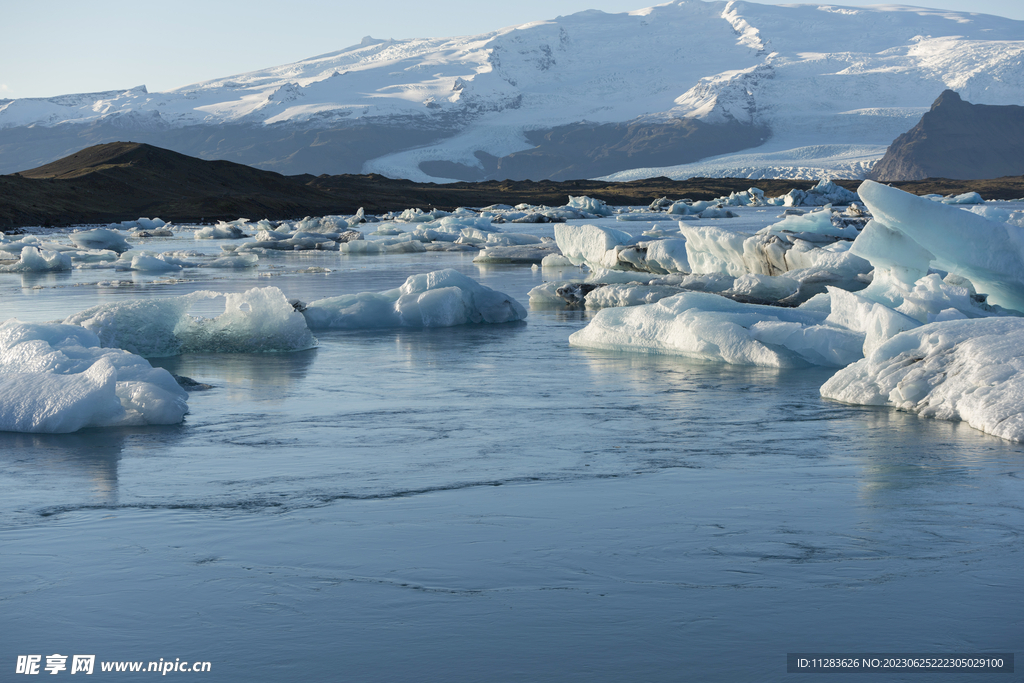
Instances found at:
x=813 y=75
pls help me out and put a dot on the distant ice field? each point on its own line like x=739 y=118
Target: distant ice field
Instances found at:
x=485 y=502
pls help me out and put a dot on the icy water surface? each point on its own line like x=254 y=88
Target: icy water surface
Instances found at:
x=485 y=503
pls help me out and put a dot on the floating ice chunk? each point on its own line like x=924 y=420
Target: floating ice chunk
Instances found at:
x=817 y=222
x=387 y=230
x=547 y=295
x=417 y=216
x=140 y=224
x=763 y=288
x=35 y=260
x=628 y=295
x=100 y=238
x=640 y=216
x=442 y=298
x=998 y=214
x=711 y=249
x=529 y=253
x=554 y=260
x=146 y=262
x=876 y=322
x=589 y=205
x=825 y=192
x=56 y=379
x=233 y=261
x=459 y=223
x=512 y=239
x=711 y=327
x=256 y=321
x=684 y=207
x=221 y=231
x=965 y=198
x=667 y=256
x=718 y=212
x=970 y=370
x=989 y=254
x=590 y=244
x=714 y=250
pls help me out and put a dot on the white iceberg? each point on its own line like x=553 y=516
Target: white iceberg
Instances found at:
x=825 y=192
x=56 y=378
x=909 y=234
x=443 y=298
x=712 y=327
x=221 y=231
x=589 y=205
x=591 y=245
x=257 y=321
x=969 y=370
x=101 y=238
x=35 y=260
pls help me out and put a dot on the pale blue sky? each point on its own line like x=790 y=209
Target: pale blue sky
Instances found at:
x=69 y=46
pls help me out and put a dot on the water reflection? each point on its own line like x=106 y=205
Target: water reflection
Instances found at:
x=91 y=455
x=40 y=281
x=264 y=377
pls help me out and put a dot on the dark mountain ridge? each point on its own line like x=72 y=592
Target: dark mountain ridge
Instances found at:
x=125 y=180
x=957 y=139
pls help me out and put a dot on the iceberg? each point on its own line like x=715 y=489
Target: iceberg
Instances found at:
x=56 y=378
x=36 y=260
x=101 y=238
x=909 y=234
x=595 y=207
x=257 y=321
x=591 y=245
x=969 y=370
x=711 y=327
x=443 y=298
x=825 y=192
x=221 y=231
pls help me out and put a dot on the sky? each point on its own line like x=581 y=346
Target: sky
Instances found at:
x=68 y=46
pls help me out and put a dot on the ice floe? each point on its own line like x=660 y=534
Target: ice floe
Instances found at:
x=969 y=370
x=442 y=298
x=36 y=260
x=56 y=378
x=257 y=321
x=101 y=238
x=711 y=327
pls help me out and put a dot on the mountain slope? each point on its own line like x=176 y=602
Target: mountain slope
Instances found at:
x=807 y=75
x=957 y=139
x=124 y=180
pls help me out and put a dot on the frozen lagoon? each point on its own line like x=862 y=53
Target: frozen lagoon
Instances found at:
x=485 y=502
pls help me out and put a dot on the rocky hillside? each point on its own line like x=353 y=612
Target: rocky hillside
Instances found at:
x=957 y=139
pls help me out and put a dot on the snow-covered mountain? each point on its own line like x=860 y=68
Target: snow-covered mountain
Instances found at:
x=800 y=89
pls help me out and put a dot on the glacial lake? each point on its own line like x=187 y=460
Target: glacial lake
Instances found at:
x=486 y=503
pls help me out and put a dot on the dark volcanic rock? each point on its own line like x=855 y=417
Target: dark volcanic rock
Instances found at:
x=957 y=139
